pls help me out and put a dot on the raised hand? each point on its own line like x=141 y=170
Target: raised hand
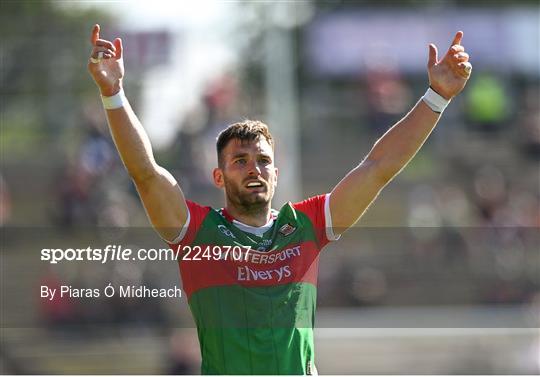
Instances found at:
x=106 y=64
x=449 y=75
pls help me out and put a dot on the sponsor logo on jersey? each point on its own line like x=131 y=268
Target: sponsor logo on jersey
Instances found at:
x=273 y=257
x=247 y=274
x=287 y=229
x=226 y=231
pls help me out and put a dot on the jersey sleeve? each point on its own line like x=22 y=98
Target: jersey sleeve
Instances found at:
x=317 y=209
x=195 y=217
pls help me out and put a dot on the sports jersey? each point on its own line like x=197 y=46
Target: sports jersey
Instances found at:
x=253 y=296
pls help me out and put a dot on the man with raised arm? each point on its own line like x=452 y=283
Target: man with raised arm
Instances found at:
x=250 y=272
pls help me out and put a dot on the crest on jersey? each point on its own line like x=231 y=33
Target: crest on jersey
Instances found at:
x=286 y=230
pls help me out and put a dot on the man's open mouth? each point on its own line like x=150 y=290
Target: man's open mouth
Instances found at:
x=254 y=184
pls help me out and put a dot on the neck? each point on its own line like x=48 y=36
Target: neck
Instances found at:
x=250 y=216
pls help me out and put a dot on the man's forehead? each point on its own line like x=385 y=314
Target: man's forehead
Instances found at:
x=259 y=145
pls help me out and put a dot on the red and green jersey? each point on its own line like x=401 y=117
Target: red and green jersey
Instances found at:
x=252 y=296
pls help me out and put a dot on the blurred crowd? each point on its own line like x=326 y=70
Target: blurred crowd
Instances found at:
x=458 y=226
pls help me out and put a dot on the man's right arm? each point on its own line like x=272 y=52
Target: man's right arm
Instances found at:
x=160 y=193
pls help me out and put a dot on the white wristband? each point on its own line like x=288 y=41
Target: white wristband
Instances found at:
x=435 y=101
x=114 y=102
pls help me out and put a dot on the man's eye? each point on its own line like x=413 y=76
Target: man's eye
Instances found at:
x=265 y=161
x=240 y=161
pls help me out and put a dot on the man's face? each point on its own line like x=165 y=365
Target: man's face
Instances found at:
x=247 y=173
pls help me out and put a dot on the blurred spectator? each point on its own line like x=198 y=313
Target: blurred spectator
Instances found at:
x=196 y=139
x=57 y=312
x=97 y=153
x=73 y=189
x=84 y=187
x=220 y=97
x=491 y=193
x=454 y=206
x=184 y=353
x=368 y=286
x=488 y=103
x=529 y=123
x=388 y=96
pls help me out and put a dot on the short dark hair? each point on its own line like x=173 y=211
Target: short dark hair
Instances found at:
x=247 y=130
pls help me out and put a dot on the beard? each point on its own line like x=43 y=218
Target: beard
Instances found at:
x=246 y=201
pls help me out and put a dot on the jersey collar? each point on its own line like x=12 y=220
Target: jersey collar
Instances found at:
x=256 y=230
x=229 y=218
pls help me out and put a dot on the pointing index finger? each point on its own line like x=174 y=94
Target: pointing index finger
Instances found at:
x=95 y=35
x=457 y=38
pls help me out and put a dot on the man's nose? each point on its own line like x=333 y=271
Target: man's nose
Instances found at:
x=253 y=168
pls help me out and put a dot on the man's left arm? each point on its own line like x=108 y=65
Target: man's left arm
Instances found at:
x=393 y=151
